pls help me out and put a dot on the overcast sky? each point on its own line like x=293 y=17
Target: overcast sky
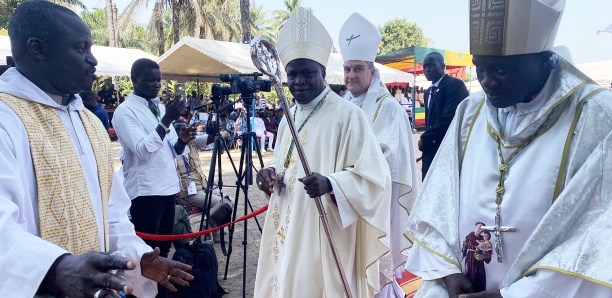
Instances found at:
x=446 y=21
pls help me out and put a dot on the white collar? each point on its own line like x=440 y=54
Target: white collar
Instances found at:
x=313 y=102
x=142 y=99
x=439 y=80
x=367 y=100
x=14 y=83
x=537 y=102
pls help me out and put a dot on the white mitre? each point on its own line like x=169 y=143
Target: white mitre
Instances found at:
x=504 y=28
x=359 y=39
x=303 y=36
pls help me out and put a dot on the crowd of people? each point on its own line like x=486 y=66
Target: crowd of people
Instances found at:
x=514 y=200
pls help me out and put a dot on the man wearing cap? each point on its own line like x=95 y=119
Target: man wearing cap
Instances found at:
x=349 y=174
x=529 y=158
x=359 y=40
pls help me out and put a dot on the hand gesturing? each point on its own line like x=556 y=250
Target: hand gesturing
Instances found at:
x=164 y=271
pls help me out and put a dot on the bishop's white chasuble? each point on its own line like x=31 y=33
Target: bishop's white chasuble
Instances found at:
x=555 y=195
x=295 y=259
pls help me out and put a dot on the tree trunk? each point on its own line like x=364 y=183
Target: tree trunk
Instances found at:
x=110 y=25
x=115 y=27
x=176 y=9
x=159 y=25
x=245 y=21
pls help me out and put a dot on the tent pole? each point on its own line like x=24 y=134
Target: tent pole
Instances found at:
x=198 y=85
x=471 y=79
x=414 y=96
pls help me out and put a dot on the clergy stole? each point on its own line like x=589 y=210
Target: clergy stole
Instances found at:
x=65 y=211
x=529 y=188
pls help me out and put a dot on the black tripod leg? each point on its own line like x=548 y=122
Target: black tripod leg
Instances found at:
x=240 y=176
x=209 y=187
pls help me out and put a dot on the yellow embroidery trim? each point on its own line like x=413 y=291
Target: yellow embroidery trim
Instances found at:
x=568 y=142
x=433 y=251
x=593 y=280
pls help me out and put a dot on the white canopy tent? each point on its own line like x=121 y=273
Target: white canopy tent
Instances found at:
x=5 y=49
x=203 y=59
x=111 y=61
x=600 y=71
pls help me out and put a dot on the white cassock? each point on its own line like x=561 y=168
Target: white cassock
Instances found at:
x=557 y=195
x=295 y=259
x=24 y=257
x=392 y=129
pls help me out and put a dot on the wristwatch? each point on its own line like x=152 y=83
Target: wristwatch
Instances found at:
x=165 y=128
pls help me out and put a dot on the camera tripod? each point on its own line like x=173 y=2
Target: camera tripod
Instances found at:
x=244 y=177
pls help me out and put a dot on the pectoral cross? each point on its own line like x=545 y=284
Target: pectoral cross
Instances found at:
x=351 y=39
x=498 y=229
x=281 y=182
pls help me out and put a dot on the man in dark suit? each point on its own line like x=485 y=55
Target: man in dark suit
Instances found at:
x=441 y=101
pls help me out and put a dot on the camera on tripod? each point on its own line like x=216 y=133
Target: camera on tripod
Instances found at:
x=246 y=87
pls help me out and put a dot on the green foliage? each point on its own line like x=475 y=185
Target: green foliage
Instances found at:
x=133 y=37
x=126 y=86
x=3 y=32
x=7 y=7
x=398 y=34
x=290 y=6
x=96 y=21
x=261 y=25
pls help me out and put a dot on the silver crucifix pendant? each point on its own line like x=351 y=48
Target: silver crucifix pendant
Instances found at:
x=281 y=182
x=498 y=230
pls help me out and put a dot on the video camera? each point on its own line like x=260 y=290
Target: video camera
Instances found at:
x=246 y=87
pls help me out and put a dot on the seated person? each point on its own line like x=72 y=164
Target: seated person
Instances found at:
x=231 y=121
x=190 y=170
x=278 y=116
x=262 y=133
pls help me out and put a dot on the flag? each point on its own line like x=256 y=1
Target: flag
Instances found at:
x=607 y=29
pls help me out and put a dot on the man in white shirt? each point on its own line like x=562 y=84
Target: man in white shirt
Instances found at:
x=150 y=146
x=59 y=201
x=262 y=134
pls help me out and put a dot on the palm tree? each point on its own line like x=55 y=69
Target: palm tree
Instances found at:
x=218 y=20
x=290 y=6
x=134 y=39
x=110 y=24
x=245 y=20
x=96 y=21
x=213 y=19
x=7 y=7
x=261 y=25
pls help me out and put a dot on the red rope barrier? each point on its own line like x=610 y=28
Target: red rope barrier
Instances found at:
x=146 y=236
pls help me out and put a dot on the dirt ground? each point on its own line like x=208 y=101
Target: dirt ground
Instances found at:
x=234 y=282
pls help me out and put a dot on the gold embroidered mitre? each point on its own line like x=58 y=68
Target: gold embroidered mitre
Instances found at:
x=65 y=210
x=513 y=27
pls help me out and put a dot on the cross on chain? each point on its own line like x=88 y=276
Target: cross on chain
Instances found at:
x=351 y=39
x=498 y=229
x=281 y=182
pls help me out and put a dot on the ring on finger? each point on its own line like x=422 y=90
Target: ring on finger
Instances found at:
x=168 y=277
x=97 y=294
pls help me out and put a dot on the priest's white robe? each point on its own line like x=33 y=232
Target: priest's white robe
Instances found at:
x=392 y=129
x=557 y=194
x=24 y=257
x=295 y=259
